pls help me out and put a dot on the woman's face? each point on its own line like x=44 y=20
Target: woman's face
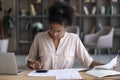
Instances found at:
x=56 y=31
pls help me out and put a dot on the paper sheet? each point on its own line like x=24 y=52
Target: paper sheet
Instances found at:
x=102 y=73
x=109 y=65
x=60 y=74
x=104 y=70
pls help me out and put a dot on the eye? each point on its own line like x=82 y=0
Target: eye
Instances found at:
x=58 y=31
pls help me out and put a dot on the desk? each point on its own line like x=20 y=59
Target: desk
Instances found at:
x=88 y=77
x=23 y=76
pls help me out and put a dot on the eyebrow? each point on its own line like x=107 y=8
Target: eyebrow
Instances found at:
x=56 y=30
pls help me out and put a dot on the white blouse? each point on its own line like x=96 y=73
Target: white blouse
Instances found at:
x=69 y=48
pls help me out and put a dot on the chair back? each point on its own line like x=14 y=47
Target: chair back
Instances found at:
x=105 y=30
x=101 y=39
x=106 y=38
x=73 y=29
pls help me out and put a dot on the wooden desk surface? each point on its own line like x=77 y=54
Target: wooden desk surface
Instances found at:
x=23 y=76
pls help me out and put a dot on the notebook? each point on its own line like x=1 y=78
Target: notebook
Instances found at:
x=8 y=63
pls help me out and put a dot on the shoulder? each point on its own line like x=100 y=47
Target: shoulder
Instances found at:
x=41 y=34
x=72 y=35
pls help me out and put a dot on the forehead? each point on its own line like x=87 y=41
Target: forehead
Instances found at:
x=56 y=26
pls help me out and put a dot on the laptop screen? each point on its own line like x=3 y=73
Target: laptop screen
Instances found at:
x=8 y=63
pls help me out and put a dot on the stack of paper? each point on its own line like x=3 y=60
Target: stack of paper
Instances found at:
x=104 y=70
x=102 y=73
x=60 y=74
x=109 y=65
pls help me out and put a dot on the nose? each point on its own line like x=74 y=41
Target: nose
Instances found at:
x=55 y=33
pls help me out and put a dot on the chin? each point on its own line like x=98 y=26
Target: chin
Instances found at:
x=55 y=37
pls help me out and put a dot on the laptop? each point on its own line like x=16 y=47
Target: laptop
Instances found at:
x=8 y=63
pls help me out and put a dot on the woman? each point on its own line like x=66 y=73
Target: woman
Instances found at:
x=55 y=48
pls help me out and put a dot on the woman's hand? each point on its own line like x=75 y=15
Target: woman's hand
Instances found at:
x=35 y=65
x=117 y=64
x=113 y=64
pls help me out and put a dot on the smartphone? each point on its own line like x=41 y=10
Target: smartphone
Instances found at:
x=41 y=71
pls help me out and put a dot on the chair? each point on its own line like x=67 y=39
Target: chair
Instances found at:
x=99 y=40
x=73 y=29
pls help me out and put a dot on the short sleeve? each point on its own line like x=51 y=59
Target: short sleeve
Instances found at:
x=82 y=54
x=34 y=49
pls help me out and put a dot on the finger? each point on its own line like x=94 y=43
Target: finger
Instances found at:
x=41 y=65
x=116 y=65
x=118 y=61
x=38 y=65
x=33 y=66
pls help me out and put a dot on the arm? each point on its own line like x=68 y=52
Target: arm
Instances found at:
x=84 y=57
x=33 y=60
x=82 y=54
x=30 y=64
x=95 y=63
x=112 y=64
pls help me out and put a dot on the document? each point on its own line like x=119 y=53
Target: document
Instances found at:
x=60 y=74
x=109 y=65
x=104 y=70
x=102 y=73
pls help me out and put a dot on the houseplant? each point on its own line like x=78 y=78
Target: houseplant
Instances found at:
x=37 y=27
x=6 y=24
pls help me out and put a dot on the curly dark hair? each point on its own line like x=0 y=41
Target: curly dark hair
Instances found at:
x=61 y=13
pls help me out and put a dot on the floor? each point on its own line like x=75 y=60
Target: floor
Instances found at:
x=101 y=58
